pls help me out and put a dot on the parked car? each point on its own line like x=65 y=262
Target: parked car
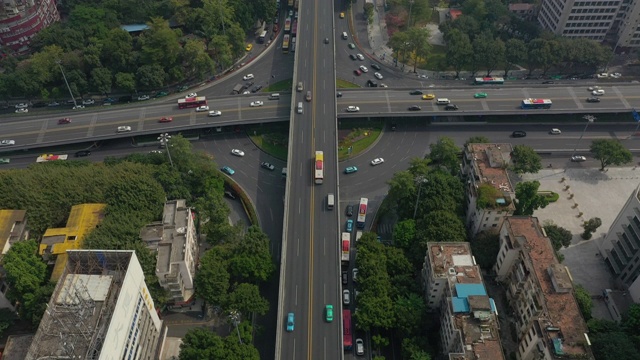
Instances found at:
x=352 y=46
x=346 y=297
x=82 y=153
x=256 y=88
x=88 y=102
x=249 y=47
x=22 y=111
x=357 y=72
x=54 y=103
x=354 y=277
x=21 y=106
x=378 y=75
x=360 y=57
x=359 y=347
x=376 y=66
x=5 y=160
x=345 y=278
x=349 y=210
x=143 y=97
x=364 y=69
x=78 y=107
x=162 y=94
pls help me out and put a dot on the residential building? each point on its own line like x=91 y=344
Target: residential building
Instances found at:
x=20 y=20
x=545 y=315
x=56 y=241
x=620 y=248
x=13 y=228
x=100 y=309
x=453 y=285
x=489 y=192
x=523 y=10
x=175 y=241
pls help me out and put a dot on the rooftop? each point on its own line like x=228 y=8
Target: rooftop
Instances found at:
x=174 y=220
x=490 y=162
x=454 y=261
x=563 y=325
x=521 y=7
x=10 y=227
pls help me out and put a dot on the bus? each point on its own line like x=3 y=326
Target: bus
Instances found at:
x=294 y=28
x=536 y=104
x=346 y=246
x=347 y=337
x=318 y=169
x=287 y=25
x=362 y=213
x=192 y=102
x=263 y=35
x=285 y=44
x=489 y=80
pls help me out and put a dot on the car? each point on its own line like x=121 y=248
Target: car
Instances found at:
x=22 y=111
x=555 y=131
x=256 y=88
x=376 y=66
x=300 y=86
x=4 y=160
x=326 y=40
x=237 y=152
x=246 y=92
x=64 y=121
x=249 y=47
x=349 y=210
x=350 y=169
x=267 y=165
x=308 y=96
x=591 y=88
x=162 y=94
x=428 y=97
x=377 y=161
x=109 y=100
x=202 y=108
x=602 y=75
x=393 y=126
x=414 y=108
x=214 y=113
x=191 y=95
x=227 y=170
x=518 y=134
x=55 y=103
x=21 y=106
x=353 y=57
x=353 y=109
x=598 y=92
x=7 y=142
x=415 y=92
x=378 y=75
x=341 y=15
x=364 y=69
x=359 y=347
x=88 y=102
x=165 y=119
x=328 y=309
x=290 y=322
x=156 y=152
x=339 y=94
x=345 y=278
x=578 y=158
x=290 y=12
x=183 y=88
x=82 y=153
x=480 y=95
x=354 y=277
x=247 y=77
x=451 y=107
x=352 y=46
x=143 y=97
x=616 y=75
x=358 y=72
x=256 y=103
x=346 y=297
x=360 y=57
x=593 y=100
x=371 y=83
x=549 y=82
x=78 y=107
x=124 y=129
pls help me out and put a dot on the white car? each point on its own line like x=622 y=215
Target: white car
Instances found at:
x=377 y=161
x=22 y=111
x=616 y=75
x=378 y=76
x=353 y=109
x=202 y=108
x=22 y=106
x=213 y=113
x=359 y=347
x=257 y=103
x=360 y=57
x=363 y=69
x=578 y=158
x=247 y=92
x=355 y=275
x=248 y=77
x=7 y=142
x=88 y=102
x=237 y=152
x=124 y=129
x=602 y=75
x=555 y=131
x=143 y=97
x=346 y=297
x=191 y=95
x=598 y=92
x=384 y=85
x=592 y=88
x=77 y=107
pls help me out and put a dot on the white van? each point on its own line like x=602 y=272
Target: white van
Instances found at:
x=330 y=201
x=442 y=101
x=274 y=96
x=344 y=35
x=300 y=107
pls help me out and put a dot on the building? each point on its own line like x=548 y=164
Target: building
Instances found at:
x=100 y=309
x=489 y=192
x=175 y=241
x=20 y=20
x=56 y=241
x=523 y=10
x=453 y=285
x=620 y=248
x=13 y=228
x=546 y=317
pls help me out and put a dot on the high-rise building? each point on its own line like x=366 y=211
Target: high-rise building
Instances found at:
x=20 y=20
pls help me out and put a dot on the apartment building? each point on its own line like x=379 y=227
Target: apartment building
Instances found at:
x=175 y=242
x=489 y=192
x=453 y=285
x=20 y=20
x=13 y=228
x=546 y=316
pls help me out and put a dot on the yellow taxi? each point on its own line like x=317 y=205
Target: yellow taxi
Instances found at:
x=249 y=47
x=341 y=15
x=428 y=97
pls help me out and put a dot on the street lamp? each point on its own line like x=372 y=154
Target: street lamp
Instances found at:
x=590 y=119
x=164 y=141
x=59 y=62
x=234 y=316
x=422 y=180
x=410 y=7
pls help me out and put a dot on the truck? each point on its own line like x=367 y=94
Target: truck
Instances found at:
x=236 y=89
x=290 y=3
x=51 y=157
x=346 y=246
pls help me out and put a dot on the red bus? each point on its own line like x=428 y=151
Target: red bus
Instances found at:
x=192 y=102
x=347 y=337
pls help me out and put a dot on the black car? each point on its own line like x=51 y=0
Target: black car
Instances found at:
x=256 y=88
x=415 y=92
x=326 y=40
x=376 y=66
x=349 y=210
x=518 y=134
x=339 y=94
x=345 y=277
x=371 y=83
x=248 y=84
x=82 y=153
x=593 y=99
x=451 y=107
x=353 y=57
x=414 y=108
x=549 y=82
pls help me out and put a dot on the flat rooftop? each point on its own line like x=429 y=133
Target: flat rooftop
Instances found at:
x=454 y=260
x=491 y=162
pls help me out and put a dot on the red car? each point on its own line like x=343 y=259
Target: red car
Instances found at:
x=64 y=121
x=357 y=72
x=166 y=119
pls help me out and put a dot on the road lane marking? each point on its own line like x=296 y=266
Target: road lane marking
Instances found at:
x=94 y=120
x=622 y=97
x=192 y=117
x=575 y=98
x=141 y=118
x=485 y=106
x=526 y=94
x=43 y=131
x=386 y=95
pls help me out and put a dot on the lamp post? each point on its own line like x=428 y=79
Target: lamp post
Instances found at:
x=234 y=316
x=164 y=141
x=410 y=8
x=421 y=180
x=590 y=119
x=59 y=62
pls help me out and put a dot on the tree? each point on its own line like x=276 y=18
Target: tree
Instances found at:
x=590 y=226
x=445 y=154
x=485 y=247
x=488 y=51
x=201 y=343
x=7 y=318
x=614 y=346
x=528 y=199
x=126 y=82
x=419 y=46
x=515 y=53
x=583 y=298
x=399 y=42
x=246 y=299
x=525 y=160
x=196 y=60
x=379 y=341
x=610 y=152
x=150 y=76
x=543 y=53
x=404 y=234
x=160 y=46
x=117 y=51
x=479 y=139
x=559 y=236
x=631 y=320
x=101 y=80
x=409 y=310
x=212 y=279
x=251 y=260
x=459 y=50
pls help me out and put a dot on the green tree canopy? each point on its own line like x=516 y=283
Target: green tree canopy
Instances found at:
x=610 y=152
x=559 y=236
x=246 y=298
x=525 y=160
x=212 y=279
x=445 y=153
x=528 y=199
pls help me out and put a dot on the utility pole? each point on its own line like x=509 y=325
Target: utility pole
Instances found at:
x=164 y=141
x=590 y=119
x=59 y=62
